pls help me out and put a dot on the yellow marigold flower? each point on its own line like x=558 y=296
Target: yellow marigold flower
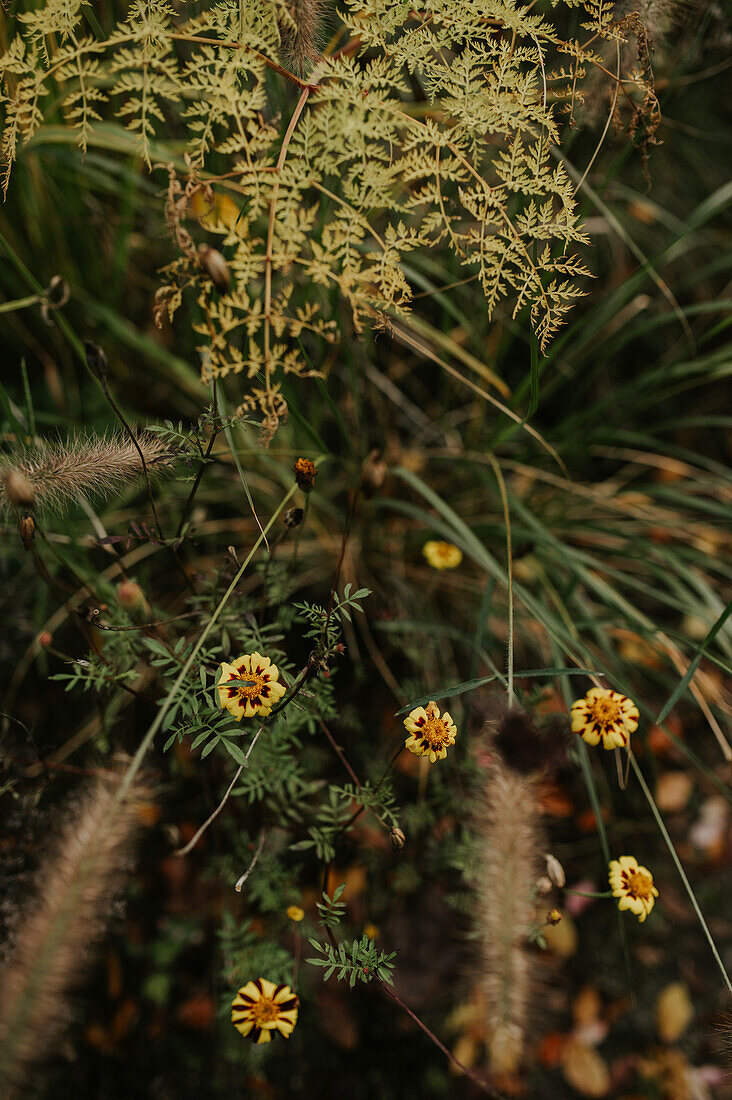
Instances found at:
x=261 y=1007
x=371 y=931
x=633 y=885
x=295 y=913
x=429 y=733
x=249 y=685
x=442 y=555
x=605 y=714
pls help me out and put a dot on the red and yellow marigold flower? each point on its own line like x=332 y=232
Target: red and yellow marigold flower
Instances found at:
x=633 y=885
x=605 y=715
x=249 y=685
x=430 y=733
x=261 y=1008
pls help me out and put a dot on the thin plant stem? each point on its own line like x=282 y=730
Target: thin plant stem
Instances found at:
x=273 y=65
x=509 y=567
x=240 y=882
x=669 y=843
x=477 y=1081
x=199 y=475
x=155 y=725
x=199 y=833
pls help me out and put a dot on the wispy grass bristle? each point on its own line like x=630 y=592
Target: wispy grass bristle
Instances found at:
x=60 y=473
x=509 y=838
x=75 y=887
x=301 y=37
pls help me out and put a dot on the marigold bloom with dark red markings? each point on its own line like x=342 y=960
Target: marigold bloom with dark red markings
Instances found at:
x=261 y=1007
x=430 y=733
x=249 y=685
x=305 y=472
x=633 y=885
x=605 y=715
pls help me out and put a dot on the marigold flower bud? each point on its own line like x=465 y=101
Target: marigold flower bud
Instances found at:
x=294 y=912
x=553 y=916
x=131 y=597
x=397 y=838
x=215 y=266
x=305 y=473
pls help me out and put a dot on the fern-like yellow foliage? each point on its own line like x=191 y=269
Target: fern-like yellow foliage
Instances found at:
x=430 y=125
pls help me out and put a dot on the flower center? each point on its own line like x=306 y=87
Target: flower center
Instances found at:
x=264 y=1011
x=639 y=884
x=249 y=686
x=435 y=731
x=606 y=710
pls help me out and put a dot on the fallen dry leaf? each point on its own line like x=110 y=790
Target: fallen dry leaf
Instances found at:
x=674 y=1012
x=584 y=1069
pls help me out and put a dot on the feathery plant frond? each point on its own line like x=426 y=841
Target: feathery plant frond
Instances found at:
x=431 y=125
x=60 y=473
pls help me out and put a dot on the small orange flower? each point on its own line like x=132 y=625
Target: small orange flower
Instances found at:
x=442 y=555
x=430 y=734
x=607 y=715
x=305 y=473
x=261 y=1007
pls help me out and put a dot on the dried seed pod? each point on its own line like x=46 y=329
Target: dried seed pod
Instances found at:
x=27 y=528
x=96 y=360
x=215 y=266
x=374 y=474
x=293 y=517
x=555 y=870
x=397 y=838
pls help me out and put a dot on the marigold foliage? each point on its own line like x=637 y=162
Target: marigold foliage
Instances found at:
x=435 y=125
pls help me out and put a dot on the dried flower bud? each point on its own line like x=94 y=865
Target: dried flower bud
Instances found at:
x=96 y=360
x=19 y=490
x=374 y=474
x=544 y=885
x=397 y=838
x=555 y=870
x=293 y=517
x=132 y=598
x=45 y=639
x=27 y=528
x=305 y=473
x=553 y=916
x=215 y=266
